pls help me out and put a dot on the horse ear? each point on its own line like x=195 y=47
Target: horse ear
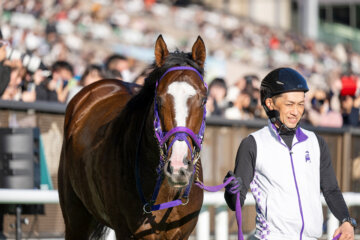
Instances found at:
x=161 y=51
x=199 y=52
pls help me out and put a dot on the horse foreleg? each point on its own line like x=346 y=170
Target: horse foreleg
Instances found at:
x=124 y=234
x=79 y=223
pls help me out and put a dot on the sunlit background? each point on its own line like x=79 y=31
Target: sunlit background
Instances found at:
x=245 y=39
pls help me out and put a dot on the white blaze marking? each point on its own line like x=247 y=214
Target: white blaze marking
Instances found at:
x=181 y=91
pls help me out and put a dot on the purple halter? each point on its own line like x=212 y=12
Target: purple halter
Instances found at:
x=180 y=133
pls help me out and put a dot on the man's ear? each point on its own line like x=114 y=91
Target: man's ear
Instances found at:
x=269 y=104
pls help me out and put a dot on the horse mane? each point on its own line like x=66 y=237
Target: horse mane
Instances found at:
x=146 y=95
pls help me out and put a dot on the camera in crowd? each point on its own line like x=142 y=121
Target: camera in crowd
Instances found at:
x=29 y=61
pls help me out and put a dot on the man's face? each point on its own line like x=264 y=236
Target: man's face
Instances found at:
x=290 y=106
x=62 y=74
x=218 y=93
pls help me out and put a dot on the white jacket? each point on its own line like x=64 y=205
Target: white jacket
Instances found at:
x=286 y=186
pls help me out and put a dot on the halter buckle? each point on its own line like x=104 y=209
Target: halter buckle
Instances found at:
x=146 y=207
x=186 y=201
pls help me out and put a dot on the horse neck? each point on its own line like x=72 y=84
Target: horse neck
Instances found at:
x=142 y=145
x=149 y=145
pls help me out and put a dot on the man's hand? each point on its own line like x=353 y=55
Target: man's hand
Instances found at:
x=16 y=63
x=346 y=230
x=235 y=185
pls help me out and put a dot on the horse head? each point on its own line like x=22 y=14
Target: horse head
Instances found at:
x=180 y=111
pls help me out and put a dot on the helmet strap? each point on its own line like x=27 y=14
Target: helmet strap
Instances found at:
x=274 y=117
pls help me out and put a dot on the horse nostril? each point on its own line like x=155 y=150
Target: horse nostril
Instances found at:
x=182 y=172
x=186 y=161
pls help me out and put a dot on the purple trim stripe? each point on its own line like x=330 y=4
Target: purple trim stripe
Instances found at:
x=298 y=194
x=300 y=135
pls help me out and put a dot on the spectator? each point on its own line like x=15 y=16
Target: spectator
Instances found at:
x=234 y=90
x=92 y=73
x=28 y=88
x=244 y=97
x=114 y=74
x=350 y=110
x=255 y=105
x=4 y=70
x=247 y=83
x=241 y=108
x=140 y=79
x=117 y=63
x=216 y=102
x=320 y=112
x=62 y=79
x=44 y=87
x=13 y=89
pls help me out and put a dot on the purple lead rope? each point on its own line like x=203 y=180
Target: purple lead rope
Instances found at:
x=237 y=206
x=337 y=236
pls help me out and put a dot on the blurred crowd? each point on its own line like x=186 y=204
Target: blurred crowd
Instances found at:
x=323 y=108
x=51 y=49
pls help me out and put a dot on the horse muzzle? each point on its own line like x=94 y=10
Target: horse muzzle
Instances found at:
x=178 y=175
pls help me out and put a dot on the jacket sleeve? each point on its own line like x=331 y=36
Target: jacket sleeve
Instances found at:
x=329 y=185
x=244 y=168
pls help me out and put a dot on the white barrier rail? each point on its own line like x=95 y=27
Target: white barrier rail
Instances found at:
x=32 y=196
x=28 y=196
x=11 y=196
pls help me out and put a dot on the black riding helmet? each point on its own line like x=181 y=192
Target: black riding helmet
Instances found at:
x=279 y=81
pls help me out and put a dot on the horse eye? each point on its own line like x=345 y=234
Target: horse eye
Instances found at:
x=203 y=101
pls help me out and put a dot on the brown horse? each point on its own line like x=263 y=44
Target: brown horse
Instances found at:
x=110 y=135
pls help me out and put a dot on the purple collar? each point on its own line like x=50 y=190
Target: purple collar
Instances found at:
x=299 y=134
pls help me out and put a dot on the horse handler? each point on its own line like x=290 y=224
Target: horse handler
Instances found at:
x=286 y=168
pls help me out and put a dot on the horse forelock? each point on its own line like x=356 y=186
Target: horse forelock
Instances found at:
x=146 y=94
